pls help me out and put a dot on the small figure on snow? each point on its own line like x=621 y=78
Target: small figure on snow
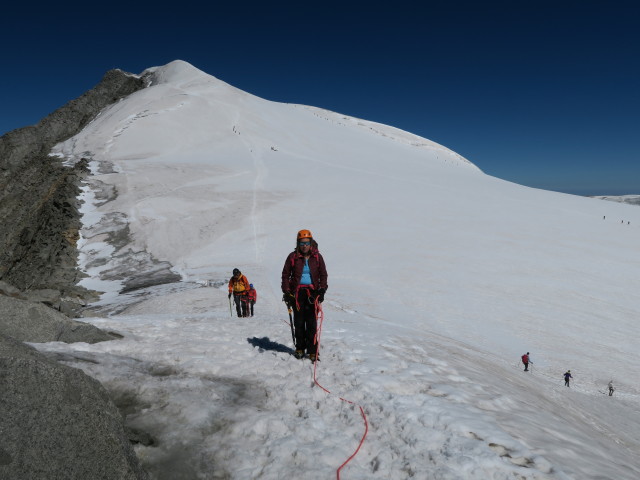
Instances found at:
x=304 y=283
x=238 y=286
x=526 y=361
x=252 y=297
x=611 y=389
x=567 y=377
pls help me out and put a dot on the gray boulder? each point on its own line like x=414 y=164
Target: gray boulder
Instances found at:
x=35 y=322
x=57 y=422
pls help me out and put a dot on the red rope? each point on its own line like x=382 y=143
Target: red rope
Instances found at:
x=320 y=318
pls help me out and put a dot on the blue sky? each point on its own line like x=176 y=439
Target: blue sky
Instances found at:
x=545 y=94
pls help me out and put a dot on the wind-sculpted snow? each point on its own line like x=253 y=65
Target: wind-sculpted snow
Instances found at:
x=440 y=278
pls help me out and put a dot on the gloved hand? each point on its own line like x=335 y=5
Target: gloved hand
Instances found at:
x=229 y=295
x=320 y=294
x=289 y=299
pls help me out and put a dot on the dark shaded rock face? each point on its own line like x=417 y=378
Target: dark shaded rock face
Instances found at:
x=38 y=206
x=57 y=422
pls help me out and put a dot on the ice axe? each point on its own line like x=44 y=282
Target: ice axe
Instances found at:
x=293 y=335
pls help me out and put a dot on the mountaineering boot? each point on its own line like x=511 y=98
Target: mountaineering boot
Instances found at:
x=299 y=354
x=312 y=357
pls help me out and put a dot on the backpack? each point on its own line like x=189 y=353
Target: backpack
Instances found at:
x=239 y=285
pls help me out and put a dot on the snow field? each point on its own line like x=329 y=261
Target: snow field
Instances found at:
x=223 y=396
x=440 y=278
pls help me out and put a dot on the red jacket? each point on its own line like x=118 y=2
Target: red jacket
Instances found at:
x=292 y=271
x=252 y=294
x=525 y=358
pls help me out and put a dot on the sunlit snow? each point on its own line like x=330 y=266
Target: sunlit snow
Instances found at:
x=440 y=278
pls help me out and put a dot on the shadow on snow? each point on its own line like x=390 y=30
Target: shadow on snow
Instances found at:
x=265 y=344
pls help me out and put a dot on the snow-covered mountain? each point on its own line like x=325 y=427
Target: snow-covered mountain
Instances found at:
x=440 y=278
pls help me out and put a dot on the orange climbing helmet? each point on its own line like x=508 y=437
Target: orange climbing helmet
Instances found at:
x=302 y=234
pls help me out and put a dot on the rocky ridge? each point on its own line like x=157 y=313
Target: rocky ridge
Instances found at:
x=39 y=205
x=57 y=421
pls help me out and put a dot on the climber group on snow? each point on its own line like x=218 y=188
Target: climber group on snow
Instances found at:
x=526 y=361
x=244 y=295
x=304 y=284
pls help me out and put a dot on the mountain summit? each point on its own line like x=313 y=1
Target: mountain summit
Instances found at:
x=190 y=133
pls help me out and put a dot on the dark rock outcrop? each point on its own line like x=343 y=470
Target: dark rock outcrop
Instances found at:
x=57 y=422
x=38 y=206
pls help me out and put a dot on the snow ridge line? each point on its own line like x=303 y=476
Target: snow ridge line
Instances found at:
x=320 y=316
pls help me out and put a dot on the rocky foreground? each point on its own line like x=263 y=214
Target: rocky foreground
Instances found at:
x=57 y=422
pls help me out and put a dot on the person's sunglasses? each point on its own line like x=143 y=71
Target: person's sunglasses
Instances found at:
x=302 y=244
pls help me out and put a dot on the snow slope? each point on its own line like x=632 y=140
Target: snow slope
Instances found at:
x=440 y=277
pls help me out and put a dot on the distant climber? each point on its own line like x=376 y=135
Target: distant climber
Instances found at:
x=611 y=389
x=238 y=287
x=252 y=298
x=567 y=377
x=526 y=361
